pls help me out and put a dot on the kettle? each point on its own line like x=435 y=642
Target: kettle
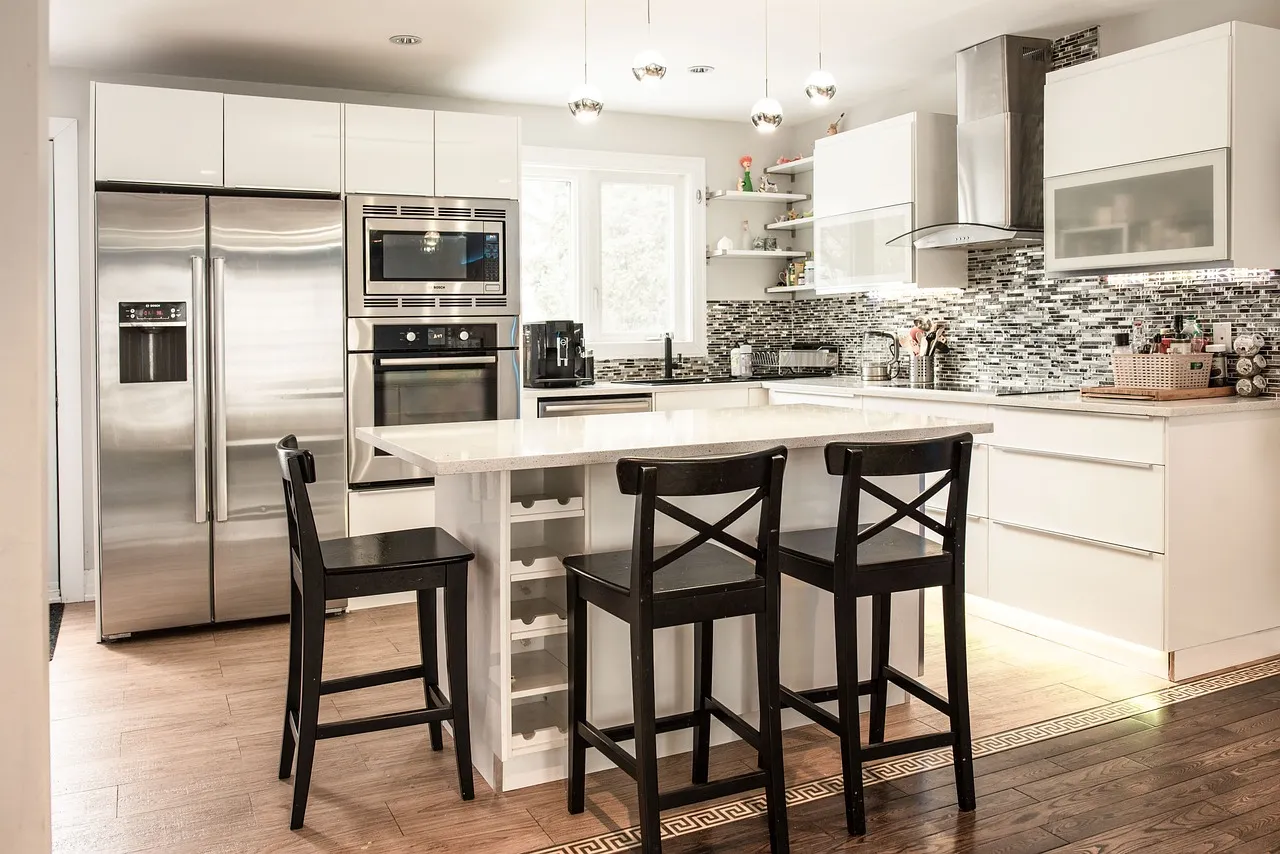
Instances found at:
x=879 y=370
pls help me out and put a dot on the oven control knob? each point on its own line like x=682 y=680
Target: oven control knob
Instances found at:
x=464 y=335
x=411 y=336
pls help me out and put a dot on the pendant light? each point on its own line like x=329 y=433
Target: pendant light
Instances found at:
x=584 y=101
x=820 y=88
x=649 y=65
x=766 y=115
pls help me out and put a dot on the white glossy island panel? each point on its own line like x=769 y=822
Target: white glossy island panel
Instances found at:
x=525 y=494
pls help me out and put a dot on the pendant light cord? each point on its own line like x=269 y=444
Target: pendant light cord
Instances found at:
x=766 y=48
x=819 y=35
x=585 y=79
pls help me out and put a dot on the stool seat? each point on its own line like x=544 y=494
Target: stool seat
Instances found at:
x=393 y=550
x=883 y=551
x=707 y=569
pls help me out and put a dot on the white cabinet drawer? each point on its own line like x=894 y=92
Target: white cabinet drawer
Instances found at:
x=702 y=398
x=1121 y=503
x=1117 y=592
x=376 y=511
x=978 y=486
x=976 y=552
x=778 y=398
x=1134 y=438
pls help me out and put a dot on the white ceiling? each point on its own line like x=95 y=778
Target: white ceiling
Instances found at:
x=530 y=51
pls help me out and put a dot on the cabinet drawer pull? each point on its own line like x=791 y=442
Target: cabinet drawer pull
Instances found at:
x=1061 y=456
x=1083 y=541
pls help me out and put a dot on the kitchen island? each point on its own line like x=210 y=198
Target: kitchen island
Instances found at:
x=523 y=494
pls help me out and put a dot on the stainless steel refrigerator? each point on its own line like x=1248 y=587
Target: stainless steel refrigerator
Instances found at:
x=220 y=329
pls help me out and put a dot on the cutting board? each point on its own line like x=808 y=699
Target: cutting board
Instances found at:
x=1110 y=392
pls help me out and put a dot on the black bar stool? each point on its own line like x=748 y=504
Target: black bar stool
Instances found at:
x=878 y=560
x=423 y=560
x=695 y=583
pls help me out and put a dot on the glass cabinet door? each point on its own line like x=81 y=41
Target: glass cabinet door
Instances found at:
x=1162 y=212
x=851 y=251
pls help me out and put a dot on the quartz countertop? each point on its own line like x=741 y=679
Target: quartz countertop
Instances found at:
x=1064 y=400
x=486 y=446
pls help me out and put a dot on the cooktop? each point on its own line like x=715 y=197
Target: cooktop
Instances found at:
x=979 y=388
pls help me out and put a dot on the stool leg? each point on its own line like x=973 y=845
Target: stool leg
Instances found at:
x=958 y=693
x=577 y=642
x=880 y=621
x=768 y=644
x=455 y=628
x=293 y=690
x=703 y=647
x=309 y=706
x=846 y=610
x=642 y=698
x=430 y=659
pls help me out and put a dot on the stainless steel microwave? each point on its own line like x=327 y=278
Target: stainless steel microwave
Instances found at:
x=415 y=256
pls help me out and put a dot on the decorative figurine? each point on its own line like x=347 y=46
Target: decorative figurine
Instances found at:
x=834 y=127
x=724 y=244
x=746 y=234
x=768 y=185
x=745 y=163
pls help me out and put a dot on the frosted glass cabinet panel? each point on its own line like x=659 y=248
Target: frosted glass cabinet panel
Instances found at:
x=850 y=250
x=1171 y=211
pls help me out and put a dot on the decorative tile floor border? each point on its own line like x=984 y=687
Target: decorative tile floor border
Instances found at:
x=893 y=769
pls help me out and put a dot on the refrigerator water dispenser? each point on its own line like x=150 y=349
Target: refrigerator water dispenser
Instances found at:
x=153 y=342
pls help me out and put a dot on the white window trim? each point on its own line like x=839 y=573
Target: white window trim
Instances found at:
x=538 y=161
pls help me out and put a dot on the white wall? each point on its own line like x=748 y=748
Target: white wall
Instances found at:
x=24 y=628
x=1178 y=17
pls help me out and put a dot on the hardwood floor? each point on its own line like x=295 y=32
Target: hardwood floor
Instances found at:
x=170 y=743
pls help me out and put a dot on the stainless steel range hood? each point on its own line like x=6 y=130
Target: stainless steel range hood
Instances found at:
x=999 y=146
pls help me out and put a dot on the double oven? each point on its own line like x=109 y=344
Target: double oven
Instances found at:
x=432 y=320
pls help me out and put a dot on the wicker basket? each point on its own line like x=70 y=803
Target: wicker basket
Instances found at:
x=1162 y=370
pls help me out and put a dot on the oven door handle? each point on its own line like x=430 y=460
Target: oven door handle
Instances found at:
x=436 y=360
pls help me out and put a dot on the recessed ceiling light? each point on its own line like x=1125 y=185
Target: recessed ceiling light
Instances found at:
x=701 y=69
x=405 y=40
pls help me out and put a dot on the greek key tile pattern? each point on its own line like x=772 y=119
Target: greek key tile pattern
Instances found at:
x=893 y=769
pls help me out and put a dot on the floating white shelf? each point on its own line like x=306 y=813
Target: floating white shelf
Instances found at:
x=538 y=508
x=742 y=196
x=754 y=253
x=795 y=167
x=537 y=672
x=783 y=289
x=791 y=225
x=535 y=562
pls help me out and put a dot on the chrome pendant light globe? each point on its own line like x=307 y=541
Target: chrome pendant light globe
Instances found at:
x=649 y=66
x=585 y=104
x=766 y=115
x=820 y=88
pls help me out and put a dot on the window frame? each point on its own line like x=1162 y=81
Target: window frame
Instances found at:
x=587 y=171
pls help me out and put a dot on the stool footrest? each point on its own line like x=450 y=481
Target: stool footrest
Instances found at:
x=903 y=746
x=371 y=680
x=668 y=723
x=917 y=689
x=378 y=723
x=596 y=737
x=700 y=792
x=734 y=722
x=806 y=703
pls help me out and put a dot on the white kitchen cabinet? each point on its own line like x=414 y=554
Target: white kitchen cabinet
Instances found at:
x=867 y=167
x=854 y=249
x=389 y=150
x=477 y=156
x=1105 y=436
x=778 y=397
x=283 y=144
x=376 y=511
x=1162 y=100
x=148 y=135
x=711 y=397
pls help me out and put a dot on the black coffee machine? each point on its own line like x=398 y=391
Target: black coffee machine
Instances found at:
x=555 y=355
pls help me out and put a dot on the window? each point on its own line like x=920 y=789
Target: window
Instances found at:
x=616 y=241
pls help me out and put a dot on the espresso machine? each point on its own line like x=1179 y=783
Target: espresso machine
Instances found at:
x=555 y=355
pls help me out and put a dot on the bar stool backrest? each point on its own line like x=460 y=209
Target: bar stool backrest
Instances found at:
x=855 y=462
x=297 y=469
x=653 y=481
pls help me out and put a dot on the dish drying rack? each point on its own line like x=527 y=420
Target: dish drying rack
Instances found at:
x=795 y=361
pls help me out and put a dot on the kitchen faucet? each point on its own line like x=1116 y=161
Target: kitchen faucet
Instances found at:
x=666 y=355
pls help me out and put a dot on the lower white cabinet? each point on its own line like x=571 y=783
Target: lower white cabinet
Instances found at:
x=1116 y=591
x=710 y=397
x=282 y=144
x=376 y=511
x=778 y=397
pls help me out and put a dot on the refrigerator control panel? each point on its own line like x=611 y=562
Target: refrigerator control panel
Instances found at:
x=430 y=336
x=153 y=312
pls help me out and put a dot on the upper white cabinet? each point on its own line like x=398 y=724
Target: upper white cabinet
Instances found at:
x=1165 y=156
x=390 y=150
x=283 y=144
x=157 y=136
x=878 y=182
x=477 y=156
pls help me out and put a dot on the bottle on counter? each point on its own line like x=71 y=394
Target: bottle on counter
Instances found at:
x=1194 y=332
x=735 y=362
x=745 y=356
x=1123 y=345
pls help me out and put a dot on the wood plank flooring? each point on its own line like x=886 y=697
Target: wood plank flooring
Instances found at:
x=169 y=744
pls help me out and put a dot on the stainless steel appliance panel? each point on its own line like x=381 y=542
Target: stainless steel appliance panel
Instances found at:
x=154 y=562
x=567 y=407
x=277 y=321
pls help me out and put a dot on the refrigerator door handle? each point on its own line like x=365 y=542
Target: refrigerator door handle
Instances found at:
x=200 y=384
x=219 y=392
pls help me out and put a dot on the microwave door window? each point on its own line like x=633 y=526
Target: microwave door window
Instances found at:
x=434 y=396
x=431 y=256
